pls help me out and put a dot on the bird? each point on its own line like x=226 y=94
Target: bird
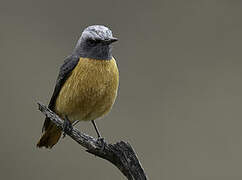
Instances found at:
x=87 y=83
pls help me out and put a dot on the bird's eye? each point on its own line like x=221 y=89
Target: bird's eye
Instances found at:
x=91 y=42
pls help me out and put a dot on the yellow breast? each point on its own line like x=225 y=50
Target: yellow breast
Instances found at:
x=90 y=90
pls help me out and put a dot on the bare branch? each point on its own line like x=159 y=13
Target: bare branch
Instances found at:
x=121 y=154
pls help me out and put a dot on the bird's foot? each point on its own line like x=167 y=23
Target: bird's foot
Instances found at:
x=102 y=142
x=67 y=126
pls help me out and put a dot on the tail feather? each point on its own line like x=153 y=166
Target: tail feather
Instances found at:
x=50 y=137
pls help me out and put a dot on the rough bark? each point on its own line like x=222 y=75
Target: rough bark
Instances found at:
x=121 y=154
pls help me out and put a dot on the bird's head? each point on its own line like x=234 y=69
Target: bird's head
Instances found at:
x=95 y=43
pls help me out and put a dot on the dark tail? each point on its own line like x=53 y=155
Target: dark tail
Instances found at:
x=50 y=137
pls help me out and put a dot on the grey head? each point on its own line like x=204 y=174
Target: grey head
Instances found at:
x=95 y=43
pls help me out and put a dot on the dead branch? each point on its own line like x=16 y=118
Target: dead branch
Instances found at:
x=121 y=154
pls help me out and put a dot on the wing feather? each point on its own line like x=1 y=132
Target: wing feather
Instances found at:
x=65 y=70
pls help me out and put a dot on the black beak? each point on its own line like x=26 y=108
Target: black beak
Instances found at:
x=111 y=40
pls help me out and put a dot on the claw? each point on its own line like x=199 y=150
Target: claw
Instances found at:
x=102 y=142
x=67 y=126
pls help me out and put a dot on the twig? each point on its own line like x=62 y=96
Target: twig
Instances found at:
x=121 y=154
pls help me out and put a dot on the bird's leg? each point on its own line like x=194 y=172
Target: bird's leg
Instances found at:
x=67 y=126
x=96 y=129
x=101 y=139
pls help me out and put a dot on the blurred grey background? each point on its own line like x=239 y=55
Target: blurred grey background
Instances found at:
x=180 y=95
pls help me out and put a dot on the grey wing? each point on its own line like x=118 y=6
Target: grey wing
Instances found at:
x=65 y=70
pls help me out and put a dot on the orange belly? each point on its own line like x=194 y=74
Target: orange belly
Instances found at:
x=90 y=90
